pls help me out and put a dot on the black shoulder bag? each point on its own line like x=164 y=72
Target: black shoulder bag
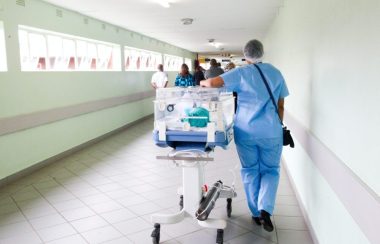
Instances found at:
x=287 y=137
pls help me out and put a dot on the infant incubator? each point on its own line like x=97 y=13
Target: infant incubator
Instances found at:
x=193 y=121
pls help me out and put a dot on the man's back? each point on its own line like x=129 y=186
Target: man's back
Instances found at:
x=214 y=71
x=159 y=79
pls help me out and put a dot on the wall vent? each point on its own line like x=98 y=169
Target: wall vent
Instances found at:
x=103 y=26
x=58 y=13
x=85 y=21
x=20 y=3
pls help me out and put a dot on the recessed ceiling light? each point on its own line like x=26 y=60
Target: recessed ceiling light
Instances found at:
x=164 y=3
x=187 y=21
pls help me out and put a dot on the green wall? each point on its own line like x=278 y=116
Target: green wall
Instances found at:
x=27 y=92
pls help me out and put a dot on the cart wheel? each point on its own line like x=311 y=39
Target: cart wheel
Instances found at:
x=219 y=236
x=229 y=207
x=181 y=202
x=156 y=234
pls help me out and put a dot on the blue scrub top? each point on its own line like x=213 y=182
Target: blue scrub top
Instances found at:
x=256 y=116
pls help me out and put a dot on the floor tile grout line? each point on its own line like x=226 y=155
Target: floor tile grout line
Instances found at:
x=67 y=221
x=27 y=219
x=96 y=214
x=99 y=215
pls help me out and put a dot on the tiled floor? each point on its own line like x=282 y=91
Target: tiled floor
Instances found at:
x=106 y=193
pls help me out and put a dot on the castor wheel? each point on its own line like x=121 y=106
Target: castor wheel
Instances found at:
x=219 y=236
x=229 y=207
x=181 y=202
x=156 y=234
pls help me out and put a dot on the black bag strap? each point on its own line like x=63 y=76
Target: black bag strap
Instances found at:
x=269 y=91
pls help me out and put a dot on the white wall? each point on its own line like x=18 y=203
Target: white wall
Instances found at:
x=329 y=53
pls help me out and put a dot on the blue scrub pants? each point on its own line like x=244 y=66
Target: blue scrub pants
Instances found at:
x=260 y=161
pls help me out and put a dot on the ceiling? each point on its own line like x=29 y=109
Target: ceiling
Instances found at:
x=230 y=23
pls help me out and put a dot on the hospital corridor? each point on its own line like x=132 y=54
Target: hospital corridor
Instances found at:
x=189 y=122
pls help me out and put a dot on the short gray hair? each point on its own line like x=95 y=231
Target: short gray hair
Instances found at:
x=253 y=50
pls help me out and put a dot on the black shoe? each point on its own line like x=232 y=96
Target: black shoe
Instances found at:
x=265 y=221
x=256 y=220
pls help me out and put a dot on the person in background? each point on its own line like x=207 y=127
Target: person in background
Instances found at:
x=257 y=128
x=184 y=78
x=214 y=70
x=198 y=75
x=230 y=66
x=160 y=78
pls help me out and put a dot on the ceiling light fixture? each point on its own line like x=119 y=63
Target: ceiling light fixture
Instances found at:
x=164 y=3
x=187 y=21
x=212 y=42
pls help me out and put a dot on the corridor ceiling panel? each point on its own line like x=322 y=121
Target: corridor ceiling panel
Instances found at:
x=230 y=23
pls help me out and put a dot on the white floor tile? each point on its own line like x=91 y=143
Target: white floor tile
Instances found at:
x=287 y=210
x=15 y=229
x=101 y=235
x=142 y=188
x=11 y=218
x=293 y=236
x=29 y=238
x=74 y=239
x=5 y=199
x=144 y=208
x=105 y=207
x=118 y=215
x=202 y=236
x=132 y=226
x=25 y=195
x=122 y=240
x=132 y=200
x=290 y=223
x=34 y=203
x=251 y=238
x=110 y=187
x=78 y=213
x=47 y=221
x=120 y=193
x=94 y=199
x=68 y=205
x=86 y=224
x=286 y=200
x=56 y=232
x=8 y=208
x=38 y=212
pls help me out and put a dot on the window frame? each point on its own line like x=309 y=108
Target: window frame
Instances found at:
x=3 y=49
x=75 y=59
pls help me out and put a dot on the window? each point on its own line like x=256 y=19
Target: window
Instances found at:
x=189 y=63
x=172 y=63
x=3 y=56
x=141 y=60
x=44 y=50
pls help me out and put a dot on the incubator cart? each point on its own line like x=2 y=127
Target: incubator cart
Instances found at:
x=193 y=121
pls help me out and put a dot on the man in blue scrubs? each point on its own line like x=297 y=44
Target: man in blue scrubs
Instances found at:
x=257 y=128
